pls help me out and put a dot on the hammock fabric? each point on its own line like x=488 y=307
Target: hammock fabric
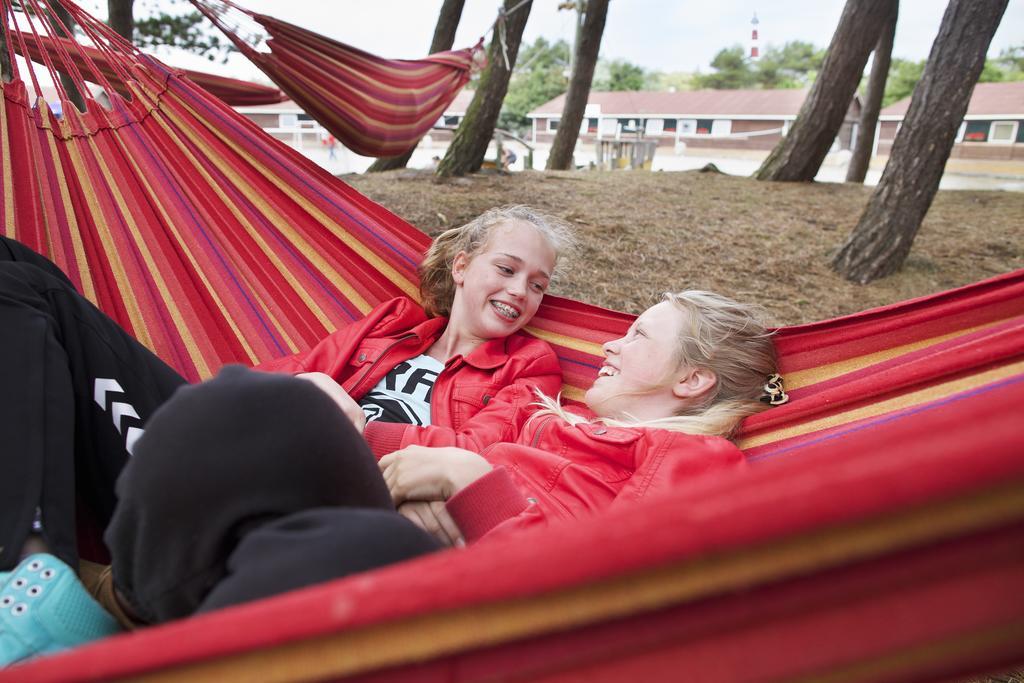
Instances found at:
x=375 y=107
x=879 y=534
x=233 y=91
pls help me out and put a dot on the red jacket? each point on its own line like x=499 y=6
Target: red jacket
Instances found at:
x=490 y=386
x=557 y=471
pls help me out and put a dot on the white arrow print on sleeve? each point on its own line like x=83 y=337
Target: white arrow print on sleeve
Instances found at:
x=118 y=409
x=101 y=387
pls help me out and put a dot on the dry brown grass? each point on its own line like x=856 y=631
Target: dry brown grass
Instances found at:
x=646 y=233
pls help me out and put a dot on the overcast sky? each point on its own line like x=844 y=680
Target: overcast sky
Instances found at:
x=667 y=35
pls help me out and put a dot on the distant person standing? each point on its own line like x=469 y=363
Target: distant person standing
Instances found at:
x=332 y=145
x=508 y=157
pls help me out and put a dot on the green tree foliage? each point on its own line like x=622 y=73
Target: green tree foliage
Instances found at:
x=190 y=31
x=1011 y=60
x=539 y=77
x=992 y=73
x=903 y=76
x=1008 y=66
x=732 y=70
x=618 y=74
x=670 y=80
x=793 y=65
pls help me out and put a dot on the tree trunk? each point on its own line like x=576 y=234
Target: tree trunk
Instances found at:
x=881 y=241
x=588 y=45
x=121 y=18
x=865 y=142
x=62 y=20
x=798 y=156
x=6 y=73
x=444 y=39
x=466 y=153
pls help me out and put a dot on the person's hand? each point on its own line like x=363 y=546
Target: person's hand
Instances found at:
x=423 y=473
x=352 y=410
x=433 y=517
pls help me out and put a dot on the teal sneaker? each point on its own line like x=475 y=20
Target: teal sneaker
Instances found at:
x=44 y=608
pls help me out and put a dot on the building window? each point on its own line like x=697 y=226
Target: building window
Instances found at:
x=654 y=127
x=704 y=126
x=553 y=124
x=451 y=121
x=1003 y=131
x=721 y=127
x=977 y=131
x=669 y=125
x=628 y=125
x=591 y=125
x=687 y=126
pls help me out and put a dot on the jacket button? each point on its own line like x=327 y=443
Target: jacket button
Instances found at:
x=362 y=357
x=487 y=399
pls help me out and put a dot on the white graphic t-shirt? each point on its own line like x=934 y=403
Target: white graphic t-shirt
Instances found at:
x=403 y=395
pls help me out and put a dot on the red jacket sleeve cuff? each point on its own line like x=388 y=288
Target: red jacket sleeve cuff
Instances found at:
x=486 y=503
x=384 y=437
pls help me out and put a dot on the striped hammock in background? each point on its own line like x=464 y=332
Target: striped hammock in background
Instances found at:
x=376 y=107
x=232 y=91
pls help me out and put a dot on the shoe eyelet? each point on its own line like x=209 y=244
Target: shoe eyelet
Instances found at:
x=34 y=591
x=6 y=601
x=19 y=583
x=35 y=565
x=19 y=609
x=47 y=574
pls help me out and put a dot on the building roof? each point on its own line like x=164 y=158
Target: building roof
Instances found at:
x=988 y=99
x=688 y=102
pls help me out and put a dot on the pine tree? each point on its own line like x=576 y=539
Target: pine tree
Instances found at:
x=798 y=156
x=588 y=45
x=879 y=244
x=865 y=141
x=466 y=153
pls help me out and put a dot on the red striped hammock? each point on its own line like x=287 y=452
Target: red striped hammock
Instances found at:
x=375 y=107
x=879 y=536
x=233 y=91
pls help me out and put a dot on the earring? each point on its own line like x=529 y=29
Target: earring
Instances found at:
x=774 y=394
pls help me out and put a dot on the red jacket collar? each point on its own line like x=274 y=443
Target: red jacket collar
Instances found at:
x=490 y=355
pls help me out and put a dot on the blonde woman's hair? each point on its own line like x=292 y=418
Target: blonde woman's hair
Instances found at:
x=437 y=289
x=720 y=335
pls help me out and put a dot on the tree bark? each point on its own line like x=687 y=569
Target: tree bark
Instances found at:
x=879 y=244
x=588 y=45
x=799 y=154
x=62 y=20
x=444 y=39
x=121 y=18
x=466 y=153
x=865 y=142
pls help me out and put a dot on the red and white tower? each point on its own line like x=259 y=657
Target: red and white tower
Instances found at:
x=754 y=52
